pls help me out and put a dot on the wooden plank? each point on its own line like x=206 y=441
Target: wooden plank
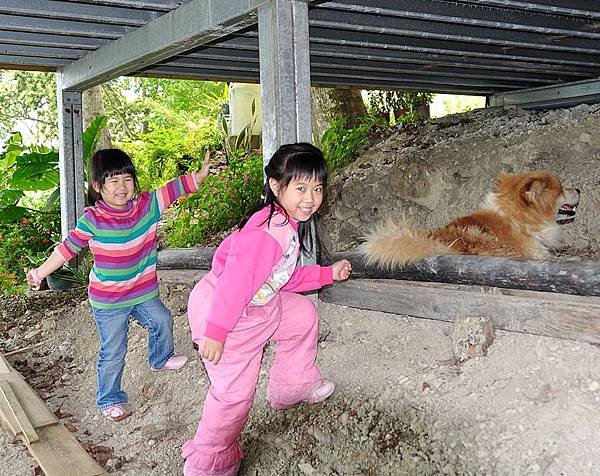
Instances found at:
x=38 y=413
x=9 y=422
x=180 y=276
x=532 y=312
x=59 y=454
x=4 y=366
x=578 y=277
x=19 y=421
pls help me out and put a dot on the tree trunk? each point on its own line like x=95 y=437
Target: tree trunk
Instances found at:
x=328 y=104
x=92 y=107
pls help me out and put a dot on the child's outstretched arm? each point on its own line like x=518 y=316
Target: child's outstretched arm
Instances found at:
x=36 y=275
x=309 y=278
x=184 y=185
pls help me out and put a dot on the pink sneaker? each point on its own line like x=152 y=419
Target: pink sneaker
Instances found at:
x=117 y=412
x=173 y=363
x=189 y=470
x=314 y=392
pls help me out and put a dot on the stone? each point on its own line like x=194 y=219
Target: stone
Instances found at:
x=471 y=337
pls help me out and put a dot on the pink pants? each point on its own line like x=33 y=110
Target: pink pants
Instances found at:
x=289 y=319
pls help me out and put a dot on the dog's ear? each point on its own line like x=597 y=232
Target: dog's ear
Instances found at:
x=533 y=189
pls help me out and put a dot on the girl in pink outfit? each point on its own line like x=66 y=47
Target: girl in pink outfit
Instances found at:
x=249 y=298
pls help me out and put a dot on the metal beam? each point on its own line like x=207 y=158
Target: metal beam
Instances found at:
x=578 y=92
x=284 y=74
x=183 y=29
x=70 y=128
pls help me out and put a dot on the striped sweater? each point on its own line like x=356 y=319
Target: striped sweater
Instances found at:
x=123 y=245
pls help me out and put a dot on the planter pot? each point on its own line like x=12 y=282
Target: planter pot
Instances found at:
x=61 y=281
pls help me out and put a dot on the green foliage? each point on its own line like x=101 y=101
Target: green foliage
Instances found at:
x=219 y=203
x=381 y=103
x=164 y=124
x=339 y=143
x=24 y=244
x=30 y=97
x=34 y=168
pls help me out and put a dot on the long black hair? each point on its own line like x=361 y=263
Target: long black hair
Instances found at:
x=294 y=161
x=108 y=163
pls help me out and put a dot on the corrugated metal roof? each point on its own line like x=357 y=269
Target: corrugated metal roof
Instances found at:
x=470 y=46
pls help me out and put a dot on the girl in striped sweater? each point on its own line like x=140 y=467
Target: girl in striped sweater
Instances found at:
x=120 y=231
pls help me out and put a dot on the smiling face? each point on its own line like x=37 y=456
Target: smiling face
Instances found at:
x=301 y=198
x=117 y=190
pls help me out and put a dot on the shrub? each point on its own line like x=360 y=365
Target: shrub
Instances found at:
x=340 y=144
x=25 y=244
x=219 y=203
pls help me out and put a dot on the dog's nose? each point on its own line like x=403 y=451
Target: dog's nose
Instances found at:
x=578 y=191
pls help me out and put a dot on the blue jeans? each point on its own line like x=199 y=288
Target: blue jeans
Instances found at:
x=112 y=330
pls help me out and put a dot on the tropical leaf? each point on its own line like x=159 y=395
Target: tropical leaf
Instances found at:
x=91 y=136
x=53 y=198
x=36 y=171
x=10 y=197
x=12 y=213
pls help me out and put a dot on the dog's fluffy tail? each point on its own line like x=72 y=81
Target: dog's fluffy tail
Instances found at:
x=394 y=244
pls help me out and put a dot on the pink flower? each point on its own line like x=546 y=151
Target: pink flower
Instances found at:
x=245 y=178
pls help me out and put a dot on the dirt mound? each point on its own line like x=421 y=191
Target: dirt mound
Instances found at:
x=436 y=171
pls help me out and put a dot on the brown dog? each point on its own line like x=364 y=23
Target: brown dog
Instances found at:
x=520 y=219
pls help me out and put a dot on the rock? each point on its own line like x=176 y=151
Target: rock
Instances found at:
x=48 y=325
x=471 y=336
x=306 y=468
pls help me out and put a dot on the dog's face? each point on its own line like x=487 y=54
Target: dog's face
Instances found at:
x=536 y=198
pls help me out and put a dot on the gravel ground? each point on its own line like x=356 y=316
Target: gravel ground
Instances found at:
x=402 y=405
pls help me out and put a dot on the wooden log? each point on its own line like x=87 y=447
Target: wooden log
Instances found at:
x=185 y=258
x=532 y=312
x=557 y=276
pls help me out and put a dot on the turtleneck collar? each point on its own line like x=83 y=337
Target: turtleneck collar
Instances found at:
x=102 y=205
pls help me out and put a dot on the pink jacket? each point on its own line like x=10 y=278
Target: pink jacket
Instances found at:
x=252 y=265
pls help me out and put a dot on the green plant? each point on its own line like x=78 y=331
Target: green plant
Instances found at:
x=35 y=168
x=382 y=103
x=219 y=203
x=24 y=244
x=340 y=143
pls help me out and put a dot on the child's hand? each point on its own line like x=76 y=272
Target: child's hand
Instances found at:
x=342 y=270
x=33 y=279
x=206 y=165
x=211 y=350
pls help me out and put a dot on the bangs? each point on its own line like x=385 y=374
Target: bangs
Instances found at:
x=115 y=166
x=306 y=166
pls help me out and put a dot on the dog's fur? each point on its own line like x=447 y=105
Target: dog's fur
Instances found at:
x=521 y=219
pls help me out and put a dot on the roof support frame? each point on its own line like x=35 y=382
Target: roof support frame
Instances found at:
x=284 y=73
x=70 y=128
x=565 y=95
x=191 y=25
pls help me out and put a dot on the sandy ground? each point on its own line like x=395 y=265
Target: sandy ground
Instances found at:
x=531 y=406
